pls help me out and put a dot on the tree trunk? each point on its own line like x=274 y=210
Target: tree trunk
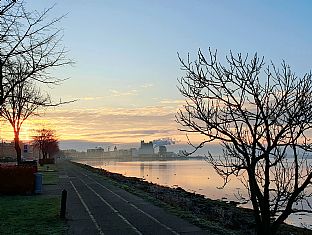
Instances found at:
x=44 y=154
x=261 y=210
x=265 y=229
x=17 y=148
x=1 y=85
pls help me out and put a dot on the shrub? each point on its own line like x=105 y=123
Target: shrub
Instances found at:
x=46 y=161
x=17 y=179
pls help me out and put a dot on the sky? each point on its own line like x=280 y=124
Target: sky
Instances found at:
x=126 y=60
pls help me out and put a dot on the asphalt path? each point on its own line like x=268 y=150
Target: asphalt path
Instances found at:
x=96 y=206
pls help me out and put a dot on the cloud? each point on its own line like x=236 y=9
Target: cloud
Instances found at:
x=111 y=124
x=147 y=85
x=107 y=124
x=117 y=93
x=91 y=98
x=177 y=102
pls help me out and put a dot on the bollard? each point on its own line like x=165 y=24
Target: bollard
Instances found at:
x=63 y=204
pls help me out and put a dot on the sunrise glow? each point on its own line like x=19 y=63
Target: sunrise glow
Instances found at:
x=124 y=78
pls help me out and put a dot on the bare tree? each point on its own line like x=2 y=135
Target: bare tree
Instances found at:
x=6 y=5
x=30 y=45
x=46 y=141
x=262 y=116
x=23 y=103
x=52 y=148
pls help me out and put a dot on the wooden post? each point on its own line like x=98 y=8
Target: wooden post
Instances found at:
x=63 y=204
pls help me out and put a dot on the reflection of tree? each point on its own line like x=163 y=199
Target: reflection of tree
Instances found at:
x=260 y=118
x=142 y=170
x=47 y=142
x=162 y=166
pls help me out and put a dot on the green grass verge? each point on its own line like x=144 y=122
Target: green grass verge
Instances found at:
x=49 y=174
x=50 y=178
x=47 y=167
x=30 y=215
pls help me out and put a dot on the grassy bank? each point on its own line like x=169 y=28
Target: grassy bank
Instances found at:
x=49 y=174
x=32 y=214
x=214 y=216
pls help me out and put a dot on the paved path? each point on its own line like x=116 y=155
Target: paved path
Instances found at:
x=95 y=206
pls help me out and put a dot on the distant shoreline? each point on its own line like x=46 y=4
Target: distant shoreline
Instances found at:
x=141 y=158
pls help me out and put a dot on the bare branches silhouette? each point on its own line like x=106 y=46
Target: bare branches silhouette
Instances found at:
x=31 y=45
x=262 y=116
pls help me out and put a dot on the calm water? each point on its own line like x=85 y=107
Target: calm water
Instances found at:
x=192 y=175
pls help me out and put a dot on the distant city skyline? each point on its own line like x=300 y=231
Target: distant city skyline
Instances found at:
x=126 y=64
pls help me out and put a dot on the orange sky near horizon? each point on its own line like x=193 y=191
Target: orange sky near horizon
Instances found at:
x=115 y=125
x=126 y=65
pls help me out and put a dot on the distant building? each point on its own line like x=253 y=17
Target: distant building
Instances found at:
x=29 y=152
x=97 y=151
x=162 y=151
x=7 y=150
x=120 y=153
x=145 y=151
x=134 y=152
x=70 y=153
x=146 y=148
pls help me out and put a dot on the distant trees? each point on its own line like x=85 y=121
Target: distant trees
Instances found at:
x=21 y=104
x=262 y=116
x=47 y=142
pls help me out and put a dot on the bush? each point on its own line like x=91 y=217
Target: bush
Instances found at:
x=17 y=179
x=46 y=161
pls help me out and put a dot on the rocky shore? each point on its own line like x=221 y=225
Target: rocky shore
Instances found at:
x=216 y=216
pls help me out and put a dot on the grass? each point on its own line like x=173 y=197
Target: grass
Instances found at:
x=49 y=174
x=30 y=215
x=49 y=178
x=33 y=214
